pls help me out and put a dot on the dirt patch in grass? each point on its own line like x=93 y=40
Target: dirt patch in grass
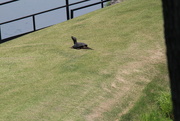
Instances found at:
x=129 y=81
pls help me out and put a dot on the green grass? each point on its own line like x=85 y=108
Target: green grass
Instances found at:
x=42 y=78
x=155 y=103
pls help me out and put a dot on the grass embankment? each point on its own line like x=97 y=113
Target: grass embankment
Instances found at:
x=43 y=79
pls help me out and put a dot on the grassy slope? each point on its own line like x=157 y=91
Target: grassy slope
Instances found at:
x=43 y=79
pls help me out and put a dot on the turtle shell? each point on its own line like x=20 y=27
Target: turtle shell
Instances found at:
x=79 y=45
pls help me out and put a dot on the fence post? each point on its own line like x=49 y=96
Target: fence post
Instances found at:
x=0 y=34
x=34 y=23
x=72 y=14
x=67 y=9
x=102 y=5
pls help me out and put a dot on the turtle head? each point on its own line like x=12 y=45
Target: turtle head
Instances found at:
x=74 y=39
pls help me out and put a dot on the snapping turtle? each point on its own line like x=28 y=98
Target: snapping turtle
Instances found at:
x=79 y=45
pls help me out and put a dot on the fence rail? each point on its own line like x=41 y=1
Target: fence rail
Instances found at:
x=101 y=2
x=68 y=11
x=3 y=3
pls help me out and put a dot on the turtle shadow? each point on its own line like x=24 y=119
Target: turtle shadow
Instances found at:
x=82 y=48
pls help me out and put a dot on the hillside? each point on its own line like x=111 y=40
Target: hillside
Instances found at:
x=42 y=78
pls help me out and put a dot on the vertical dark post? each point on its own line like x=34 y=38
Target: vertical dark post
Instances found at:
x=171 y=11
x=72 y=14
x=67 y=9
x=102 y=5
x=34 y=23
x=0 y=34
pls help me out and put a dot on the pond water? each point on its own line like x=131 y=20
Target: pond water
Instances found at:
x=23 y=8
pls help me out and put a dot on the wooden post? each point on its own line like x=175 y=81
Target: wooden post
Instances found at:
x=171 y=11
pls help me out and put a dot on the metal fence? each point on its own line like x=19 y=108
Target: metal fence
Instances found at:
x=3 y=3
x=69 y=15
